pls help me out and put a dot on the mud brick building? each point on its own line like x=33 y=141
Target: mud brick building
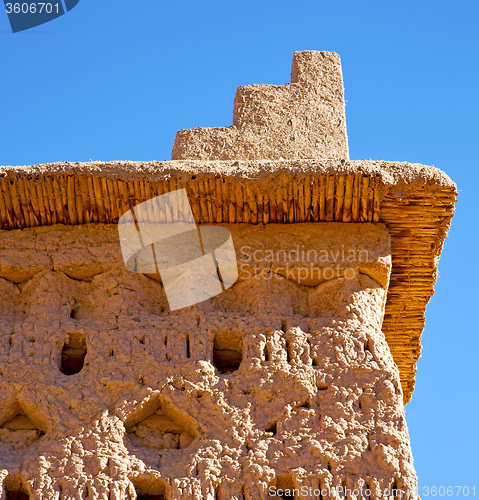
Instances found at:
x=294 y=378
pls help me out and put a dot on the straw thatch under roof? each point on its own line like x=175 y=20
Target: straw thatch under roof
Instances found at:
x=415 y=202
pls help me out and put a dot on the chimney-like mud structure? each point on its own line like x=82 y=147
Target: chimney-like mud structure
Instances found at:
x=289 y=384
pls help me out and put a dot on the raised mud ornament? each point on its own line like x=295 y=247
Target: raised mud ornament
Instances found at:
x=159 y=236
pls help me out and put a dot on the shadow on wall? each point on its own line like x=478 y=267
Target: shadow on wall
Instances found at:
x=161 y=429
x=148 y=488
x=17 y=431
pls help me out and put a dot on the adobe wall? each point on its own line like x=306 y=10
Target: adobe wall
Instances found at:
x=285 y=380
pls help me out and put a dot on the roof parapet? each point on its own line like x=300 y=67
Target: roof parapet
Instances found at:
x=302 y=119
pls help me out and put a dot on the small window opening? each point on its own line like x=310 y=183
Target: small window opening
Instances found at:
x=287 y=347
x=145 y=496
x=367 y=487
x=285 y=487
x=75 y=312
x=272 y=428
x=73 y=354
x=266 y=353
x=188 y=347
x=150 y=489
x=227 y=353
x=16 y=495
x=226 y=360
x=394 y=489
x=366 y=346
x=14 y=489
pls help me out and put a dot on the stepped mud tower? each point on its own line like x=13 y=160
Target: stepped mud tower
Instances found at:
x=294 y=378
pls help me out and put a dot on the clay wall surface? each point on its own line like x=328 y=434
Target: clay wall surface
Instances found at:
x=415 y=202
x=284 y=380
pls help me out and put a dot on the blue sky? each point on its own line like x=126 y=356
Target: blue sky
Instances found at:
x=115 y=80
